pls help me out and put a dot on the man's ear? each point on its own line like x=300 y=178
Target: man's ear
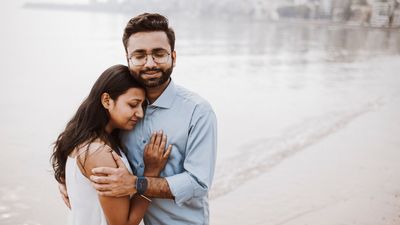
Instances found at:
x=106 y=100
x=173 y=58
x=127 y=59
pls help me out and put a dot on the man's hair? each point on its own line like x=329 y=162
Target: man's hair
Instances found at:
x=148 y=22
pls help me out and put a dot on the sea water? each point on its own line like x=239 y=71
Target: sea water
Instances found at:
x=276 y=87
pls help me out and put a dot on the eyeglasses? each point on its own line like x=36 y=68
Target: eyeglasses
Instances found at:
x=140 y=58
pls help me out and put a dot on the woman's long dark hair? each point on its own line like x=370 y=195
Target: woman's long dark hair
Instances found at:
x=91 y=118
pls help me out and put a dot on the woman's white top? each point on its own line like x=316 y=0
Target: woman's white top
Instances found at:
x=85 y=204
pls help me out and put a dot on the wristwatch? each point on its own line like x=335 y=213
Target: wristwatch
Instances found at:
x=141 y=185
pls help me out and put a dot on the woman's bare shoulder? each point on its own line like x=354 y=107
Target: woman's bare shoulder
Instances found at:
x=94 y=154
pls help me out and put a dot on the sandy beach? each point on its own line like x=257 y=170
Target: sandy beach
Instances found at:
x=349 y=177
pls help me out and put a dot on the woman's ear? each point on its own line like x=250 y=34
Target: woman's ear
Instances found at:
x=106 y=100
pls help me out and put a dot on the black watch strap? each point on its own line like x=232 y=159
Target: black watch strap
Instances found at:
x=141 y=185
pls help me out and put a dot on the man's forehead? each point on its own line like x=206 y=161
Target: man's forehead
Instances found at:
x=148 y=41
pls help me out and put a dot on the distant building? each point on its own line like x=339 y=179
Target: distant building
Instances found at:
x=376 y=13
x=395 y=20
x=360 y=13
x=341 y=10
x=382 y=11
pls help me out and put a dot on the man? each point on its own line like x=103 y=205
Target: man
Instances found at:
x=180 y=195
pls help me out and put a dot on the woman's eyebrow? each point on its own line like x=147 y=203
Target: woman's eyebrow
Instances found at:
x=136 y=99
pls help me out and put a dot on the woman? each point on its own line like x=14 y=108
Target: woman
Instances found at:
x=90 y=140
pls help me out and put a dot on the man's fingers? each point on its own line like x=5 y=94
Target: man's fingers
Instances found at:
x=118 y=160
x=106 y=193
x=101 y=179
x=103 y=171
x=102 y=187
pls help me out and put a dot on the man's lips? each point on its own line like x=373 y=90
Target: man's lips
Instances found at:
x=151 y=74
x=151 y=71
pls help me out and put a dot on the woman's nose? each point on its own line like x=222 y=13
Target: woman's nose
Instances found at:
x=139 y=113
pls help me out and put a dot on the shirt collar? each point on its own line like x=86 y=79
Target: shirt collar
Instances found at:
x=166 y=98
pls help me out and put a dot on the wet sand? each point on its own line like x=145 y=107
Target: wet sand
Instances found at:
x=349 y=177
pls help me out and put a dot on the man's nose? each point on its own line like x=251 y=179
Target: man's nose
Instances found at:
x=149 y=62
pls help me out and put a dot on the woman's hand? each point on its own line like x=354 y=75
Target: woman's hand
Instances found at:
x=64 y=194
x=155 y=155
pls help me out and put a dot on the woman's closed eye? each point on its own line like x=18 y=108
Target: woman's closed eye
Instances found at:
x=133 y=105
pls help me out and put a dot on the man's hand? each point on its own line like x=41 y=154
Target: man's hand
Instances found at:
x=113 y=182
x=64 y=195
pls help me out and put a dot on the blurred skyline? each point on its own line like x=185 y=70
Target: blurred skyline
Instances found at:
x=376 y=13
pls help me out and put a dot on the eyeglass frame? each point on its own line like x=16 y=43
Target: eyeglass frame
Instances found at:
x=154 y=51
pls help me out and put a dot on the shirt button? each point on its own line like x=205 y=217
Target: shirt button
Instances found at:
x=144 y=141
x=141 y=165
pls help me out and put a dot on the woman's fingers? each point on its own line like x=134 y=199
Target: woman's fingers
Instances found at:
x=118 y=160
x=146 y=148
x=157 y=145
x=64 y=195
x=157 y=142
x=150 y=145
x=153 y=137
x=167 y=152
x=162 y=144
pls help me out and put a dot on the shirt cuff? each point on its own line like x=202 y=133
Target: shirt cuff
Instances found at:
x=181 y=187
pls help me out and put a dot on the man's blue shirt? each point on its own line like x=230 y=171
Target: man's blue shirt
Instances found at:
x=191 y=127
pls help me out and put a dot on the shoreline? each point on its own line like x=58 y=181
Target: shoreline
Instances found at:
x=350 y=177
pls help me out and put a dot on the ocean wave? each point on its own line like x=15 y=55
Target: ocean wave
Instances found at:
x=253 y=160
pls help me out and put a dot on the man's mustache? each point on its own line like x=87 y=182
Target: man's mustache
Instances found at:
x=150 y=70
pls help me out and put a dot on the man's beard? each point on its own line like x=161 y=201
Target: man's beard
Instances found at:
x=155 y=82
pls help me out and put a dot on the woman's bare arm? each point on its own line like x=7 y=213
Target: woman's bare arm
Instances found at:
x=118 y=210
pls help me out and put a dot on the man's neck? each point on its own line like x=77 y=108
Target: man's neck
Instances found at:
x=155 y=92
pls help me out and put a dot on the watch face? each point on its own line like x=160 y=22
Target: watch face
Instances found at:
x=141 y=185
